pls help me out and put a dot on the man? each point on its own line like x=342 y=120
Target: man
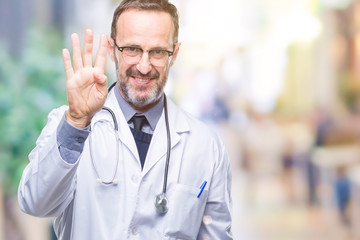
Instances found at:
x=98 y=186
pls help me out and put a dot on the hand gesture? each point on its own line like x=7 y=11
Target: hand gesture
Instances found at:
x=86 y=86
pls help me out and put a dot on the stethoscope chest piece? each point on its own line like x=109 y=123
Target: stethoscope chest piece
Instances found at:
x=161 y=203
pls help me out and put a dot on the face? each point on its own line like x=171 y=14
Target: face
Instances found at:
x=142 y=84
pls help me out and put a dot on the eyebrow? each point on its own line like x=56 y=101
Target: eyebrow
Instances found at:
x=138 y=46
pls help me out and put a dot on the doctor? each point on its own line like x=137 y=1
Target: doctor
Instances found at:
x=141 y=168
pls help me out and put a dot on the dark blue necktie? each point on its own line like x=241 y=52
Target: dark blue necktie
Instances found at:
x=142 y=139
x=139 y=121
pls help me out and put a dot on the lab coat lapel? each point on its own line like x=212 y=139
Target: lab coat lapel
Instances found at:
x=158 y=145
x=125 y=135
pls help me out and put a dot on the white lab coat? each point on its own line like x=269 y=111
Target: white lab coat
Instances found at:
x=85 y=209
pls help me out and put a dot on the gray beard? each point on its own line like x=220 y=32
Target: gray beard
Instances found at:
x=129 y=94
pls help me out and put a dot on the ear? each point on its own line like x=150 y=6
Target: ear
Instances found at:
x=177 y=46
x=111 y=48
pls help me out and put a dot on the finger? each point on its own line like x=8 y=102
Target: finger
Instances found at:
x=101 y=83
x=76 y=52
x=101 y=55
x=88 y=46
x=99 y=77
x=69 y=72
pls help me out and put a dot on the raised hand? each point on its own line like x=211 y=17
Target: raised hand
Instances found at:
x=86 y=86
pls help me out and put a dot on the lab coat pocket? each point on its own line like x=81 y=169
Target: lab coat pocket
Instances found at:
x=185 y=212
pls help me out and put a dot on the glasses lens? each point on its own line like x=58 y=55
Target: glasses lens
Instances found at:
x=159 y=62
x=132 y=55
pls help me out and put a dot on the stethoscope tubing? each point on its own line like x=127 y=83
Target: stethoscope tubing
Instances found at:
x=168 y=146
x=161 y=207
x=116 y=135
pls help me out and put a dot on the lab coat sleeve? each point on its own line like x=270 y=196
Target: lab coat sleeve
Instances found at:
x=48 y=182
x=217 y=215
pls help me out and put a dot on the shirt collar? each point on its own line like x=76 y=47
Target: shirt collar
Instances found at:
x=152 y=115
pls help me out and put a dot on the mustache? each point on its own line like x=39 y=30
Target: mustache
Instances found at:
x=134 y=72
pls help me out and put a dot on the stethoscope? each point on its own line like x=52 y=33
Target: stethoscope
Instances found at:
x=161 y=201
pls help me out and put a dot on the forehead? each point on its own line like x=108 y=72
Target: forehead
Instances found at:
x=145 y=27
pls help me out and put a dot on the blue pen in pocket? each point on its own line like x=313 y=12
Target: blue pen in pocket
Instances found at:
x=202 y=188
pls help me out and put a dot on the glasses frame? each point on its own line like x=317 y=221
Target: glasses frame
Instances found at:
x=121 y=49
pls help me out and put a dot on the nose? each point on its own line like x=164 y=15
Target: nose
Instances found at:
x=144 y=66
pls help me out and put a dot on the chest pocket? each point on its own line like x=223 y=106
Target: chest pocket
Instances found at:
x=185 y=212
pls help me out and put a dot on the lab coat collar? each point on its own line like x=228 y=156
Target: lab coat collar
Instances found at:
x=125 y=134
x=158 y=146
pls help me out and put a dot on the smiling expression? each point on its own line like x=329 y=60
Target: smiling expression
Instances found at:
x=142 y=84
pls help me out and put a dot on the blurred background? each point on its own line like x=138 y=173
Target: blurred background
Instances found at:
x=279 y=80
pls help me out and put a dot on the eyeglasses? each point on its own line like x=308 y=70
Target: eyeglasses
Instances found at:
x=157 y=57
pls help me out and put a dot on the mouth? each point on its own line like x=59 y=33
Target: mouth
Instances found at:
x=141 y=80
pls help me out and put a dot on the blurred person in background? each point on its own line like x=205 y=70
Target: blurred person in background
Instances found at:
x=103 y=183
x=342 y=187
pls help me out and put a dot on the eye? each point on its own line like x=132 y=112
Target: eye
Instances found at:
x=158 y=53
x=132 y=51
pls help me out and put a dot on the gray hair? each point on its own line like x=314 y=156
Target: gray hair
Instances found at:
x=153 y=5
